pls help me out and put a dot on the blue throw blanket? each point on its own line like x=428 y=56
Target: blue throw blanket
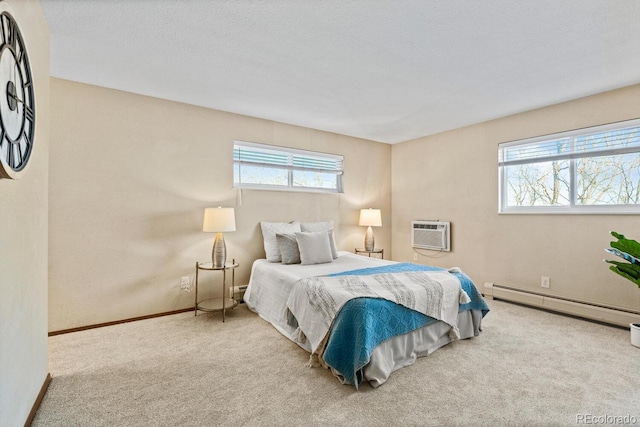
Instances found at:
x=363 y=323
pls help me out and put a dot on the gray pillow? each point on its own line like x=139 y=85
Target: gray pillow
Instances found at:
x=322 y=226
x=289 y=251
x=269 y=230
x=314 y=247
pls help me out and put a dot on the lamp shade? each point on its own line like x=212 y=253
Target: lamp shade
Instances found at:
x=217 y=220
x=370 y=217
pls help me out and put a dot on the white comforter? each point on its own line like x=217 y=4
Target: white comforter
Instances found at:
x=272 y=283
x=315 y=301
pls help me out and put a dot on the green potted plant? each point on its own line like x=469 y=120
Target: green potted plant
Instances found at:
x=629 y=251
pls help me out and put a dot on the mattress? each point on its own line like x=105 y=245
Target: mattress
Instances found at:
x=270 y=286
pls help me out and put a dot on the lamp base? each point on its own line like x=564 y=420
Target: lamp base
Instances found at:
x=219 y=252
x=369 y=242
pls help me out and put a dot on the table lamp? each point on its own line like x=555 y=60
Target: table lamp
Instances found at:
x=219 y=220
x=370 y=218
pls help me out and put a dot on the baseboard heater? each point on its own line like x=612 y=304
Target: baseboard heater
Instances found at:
x=611 y=315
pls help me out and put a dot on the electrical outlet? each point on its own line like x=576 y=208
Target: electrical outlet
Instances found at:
x=415 y=257
x=185 y=283
x=544 y=281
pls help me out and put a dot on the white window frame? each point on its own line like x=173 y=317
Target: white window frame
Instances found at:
x=333 y=164
x=571 y=155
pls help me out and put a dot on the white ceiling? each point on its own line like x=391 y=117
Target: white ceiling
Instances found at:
x=385 y=70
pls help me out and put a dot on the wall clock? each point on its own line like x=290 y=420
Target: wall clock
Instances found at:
x=17 y=103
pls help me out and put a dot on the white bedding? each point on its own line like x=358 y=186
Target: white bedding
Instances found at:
x=270 y=285
x=316 y=301
x=269 y=288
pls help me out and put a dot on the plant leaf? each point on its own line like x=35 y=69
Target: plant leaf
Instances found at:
x=629 y=269
x=623 y=255
x=623 y=244
x=623 y=274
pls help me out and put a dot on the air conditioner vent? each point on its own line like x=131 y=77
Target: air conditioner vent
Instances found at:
x=431 y=235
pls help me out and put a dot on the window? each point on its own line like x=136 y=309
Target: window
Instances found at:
x=592 y=170
x=268 y=167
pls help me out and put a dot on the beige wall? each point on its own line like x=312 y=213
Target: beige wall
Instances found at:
x=453 y=176
x=23 y=242
x=130 y=177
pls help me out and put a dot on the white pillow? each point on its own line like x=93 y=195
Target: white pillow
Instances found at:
x=289 y=251
x=314 y=247
x=316 y=226
x=269 y=230
x=322 y=226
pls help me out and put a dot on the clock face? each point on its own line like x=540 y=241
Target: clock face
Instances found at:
x=17 y=105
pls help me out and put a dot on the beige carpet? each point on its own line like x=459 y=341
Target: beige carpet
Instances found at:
x=528 y=367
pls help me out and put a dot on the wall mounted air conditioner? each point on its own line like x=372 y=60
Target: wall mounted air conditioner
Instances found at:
x=431 y=235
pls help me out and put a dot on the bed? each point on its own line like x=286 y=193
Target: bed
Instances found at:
x=369 y=337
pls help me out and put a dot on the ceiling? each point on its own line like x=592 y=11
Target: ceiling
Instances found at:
x=384 y=70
